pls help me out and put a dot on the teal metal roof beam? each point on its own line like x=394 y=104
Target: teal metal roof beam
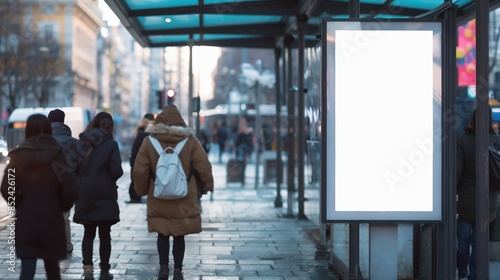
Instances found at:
x=468 y=12
x=147 y=21
x=133 y=26
x=438 y=10
x=342 y=8
x=275 y=7
x=268 y=29
x=264 y=42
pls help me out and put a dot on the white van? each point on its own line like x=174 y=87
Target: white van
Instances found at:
x=76 y=118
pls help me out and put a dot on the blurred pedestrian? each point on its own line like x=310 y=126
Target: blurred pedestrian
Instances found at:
x=179 y=217
x=222 y=134
x=204 y=140
x=244 y=141
x=40 y=184
x=139 y=135
x=62 y=133
x=97 y=206
x=466 y=203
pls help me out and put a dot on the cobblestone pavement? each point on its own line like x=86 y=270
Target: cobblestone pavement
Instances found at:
x=244 y=237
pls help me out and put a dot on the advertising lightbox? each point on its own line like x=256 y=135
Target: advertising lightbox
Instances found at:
x=381 y=122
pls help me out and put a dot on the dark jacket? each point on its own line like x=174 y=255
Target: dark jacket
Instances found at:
x=97 y=176
x=44 y=189
x=141 y=134
x=62 y=134
x=466 y=177
x=180 y=216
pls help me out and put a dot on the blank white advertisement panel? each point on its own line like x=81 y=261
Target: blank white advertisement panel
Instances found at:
x=383 y=120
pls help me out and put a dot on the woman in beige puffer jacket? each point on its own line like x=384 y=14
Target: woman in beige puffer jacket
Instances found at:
x=173 y=217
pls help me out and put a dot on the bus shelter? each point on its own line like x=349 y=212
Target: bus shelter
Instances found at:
x=284 y=25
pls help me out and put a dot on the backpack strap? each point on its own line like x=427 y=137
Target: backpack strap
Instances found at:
x=156 y=144
x=180 y=145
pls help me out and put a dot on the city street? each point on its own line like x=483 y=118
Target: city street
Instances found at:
x=244 y=237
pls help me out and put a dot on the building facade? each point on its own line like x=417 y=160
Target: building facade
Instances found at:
x=74 y=26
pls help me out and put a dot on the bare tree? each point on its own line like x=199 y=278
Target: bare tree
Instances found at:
x=12 y=49
x=29 y=62
x=45 y=68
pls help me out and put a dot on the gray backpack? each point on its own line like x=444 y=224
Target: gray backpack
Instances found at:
x=171 y=181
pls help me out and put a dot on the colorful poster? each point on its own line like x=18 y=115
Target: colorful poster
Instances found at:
x=466 y=54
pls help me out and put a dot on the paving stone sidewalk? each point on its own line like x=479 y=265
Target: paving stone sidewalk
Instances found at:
x=244 y=237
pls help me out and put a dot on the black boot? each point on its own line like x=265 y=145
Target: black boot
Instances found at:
x=88 y=272
x=178 y=274
x=105 y=272
x=163 y=274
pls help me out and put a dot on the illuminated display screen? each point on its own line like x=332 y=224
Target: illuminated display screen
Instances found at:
x=382 y=102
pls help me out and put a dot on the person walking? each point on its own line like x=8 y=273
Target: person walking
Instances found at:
x=97 y=206
x=41 y=191
x=140 y=134
x=62 y=134
x=466 y=203
x=222 y=139
x=244 y=141
x=180 y=217
x=204 y=140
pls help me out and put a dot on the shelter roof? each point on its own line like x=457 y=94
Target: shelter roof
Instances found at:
x=257 y=23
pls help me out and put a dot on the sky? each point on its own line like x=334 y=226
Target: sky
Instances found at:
x=108 y=14
x=204 y=62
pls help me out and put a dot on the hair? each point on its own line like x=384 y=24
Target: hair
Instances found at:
x=56 y=115
x=144 y=122
x=149 y=116
x=37 y=124
x=102 y=120
x=473 y=119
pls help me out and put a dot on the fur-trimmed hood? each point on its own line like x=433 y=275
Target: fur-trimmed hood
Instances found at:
x=171 y=130
x=169 y=126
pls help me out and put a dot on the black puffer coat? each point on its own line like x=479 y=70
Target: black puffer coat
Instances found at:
x=44 y=189
x=97 y=176
x=466 y=177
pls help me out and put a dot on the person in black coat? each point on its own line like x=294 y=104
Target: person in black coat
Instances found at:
x=97 y=206
x=466 y=202
x=39 y=184
x=139 y=137
x=62 y=134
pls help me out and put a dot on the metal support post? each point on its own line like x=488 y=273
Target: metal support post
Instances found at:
x=482 y=133
x=291 y=128
x=190 y=98
x=277 y=55
x=257 y=123
x=302 y=22
x=446 y=231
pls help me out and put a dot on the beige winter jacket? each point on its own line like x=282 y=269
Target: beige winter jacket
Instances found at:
x=181 y=216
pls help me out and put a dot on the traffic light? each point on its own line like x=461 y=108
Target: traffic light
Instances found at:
x=170 y=96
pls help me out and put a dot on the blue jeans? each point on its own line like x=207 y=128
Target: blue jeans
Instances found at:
x=466 y=257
